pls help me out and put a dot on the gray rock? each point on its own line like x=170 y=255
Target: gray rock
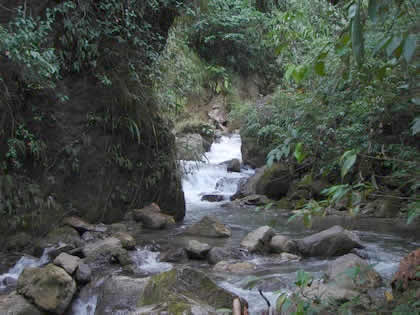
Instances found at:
x=209 y=227
x=275 y=182
x=217 y=254
x=197 y=250
x=49 y=287
x=152 y=217
x=127 y=241
x=352 y=272
x=15 y=304
x=237 y=267
x=335 y=241
x=120 y=294
x=177 y=255
x=233 y=165
x=212 y=198
x=258 y=240
x=82 y=226
x=68 y=262
x=83 y=273
x=280 y=244
x=103 y=251
x=64 y=234
x=190 y=147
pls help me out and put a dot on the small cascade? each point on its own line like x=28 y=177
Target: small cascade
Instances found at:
x=10 y=278
x=148 y=261
x=210 y=176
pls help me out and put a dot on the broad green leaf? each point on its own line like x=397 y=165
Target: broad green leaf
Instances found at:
x=307 y=220
x=357 y=37
x=416 y=126
x=320 y=68
x=393 y=45
x=347 y=161
x=416 y=100
x=409 y=47
x=299 y=73
x=299 y=153
x=382 y=44
x=289 y=72
x=352 y=11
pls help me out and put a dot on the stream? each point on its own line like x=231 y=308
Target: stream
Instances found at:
x=385 y=246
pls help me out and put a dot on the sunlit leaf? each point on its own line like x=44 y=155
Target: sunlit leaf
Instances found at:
x=299 y=153
x=409 y=47
x=416 y=126
x=347 y=161
x=320 y=68
x=393 y=45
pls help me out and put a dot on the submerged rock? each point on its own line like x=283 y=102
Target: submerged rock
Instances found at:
x=49 y=287
x=197 y=250
x=152 y=217
x=235 y=267
x=258 y=240
x=209 y=227
x=15 y=304
x=334 y=241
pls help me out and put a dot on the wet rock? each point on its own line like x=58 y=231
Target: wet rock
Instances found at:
x=224 y=182
x=209 y=227
x=212 y=198
x=334 y=241
x=152 y=217
x=233 y=165
x=184 y=290
x=177 y=255
x=407 y=276
x=18 y=242
x=8 y=282
x=217 y=254
x=190 y=147
x=119 y=295
x=118 y=227
x=65 y=234
x=218 y=112
x=197 y=250
x=15 y=304
x=49 y=287
x=235 y=267
x=280 y=244
x=127 y=241
x=83 y=273
x=102 y=251
x=255 y=200
x=82 y=226
x=248 y=186
x=275 y=181
x=258 y=240
x=68 y=262
x=62 y=248
x=352 y=272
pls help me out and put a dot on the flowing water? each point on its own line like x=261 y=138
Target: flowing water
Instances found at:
x=385 y=243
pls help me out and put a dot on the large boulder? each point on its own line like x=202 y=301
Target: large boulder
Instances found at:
x=334 y=241
x=68 y=262
x=182 y=290
x=119 y=295
x=209 y=227
x=49 y=287
x=253 y=153
x=190 y=147
x=152 y=217
x=127 y=241
x=83 y=273
x=407 y=276
x=104 y=251
x=280 y=244
x=15 y=304
x=258 y=240
x=275 y=182
x=248 y=186
x=197 y=250
x=352 y=272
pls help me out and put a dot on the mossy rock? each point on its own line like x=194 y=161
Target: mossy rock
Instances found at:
x=184 y=288
x=275 y=181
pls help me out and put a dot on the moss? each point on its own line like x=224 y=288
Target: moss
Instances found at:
x=179 y=308
x=158 y=288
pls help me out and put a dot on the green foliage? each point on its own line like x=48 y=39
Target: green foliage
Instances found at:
x=231 y=34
